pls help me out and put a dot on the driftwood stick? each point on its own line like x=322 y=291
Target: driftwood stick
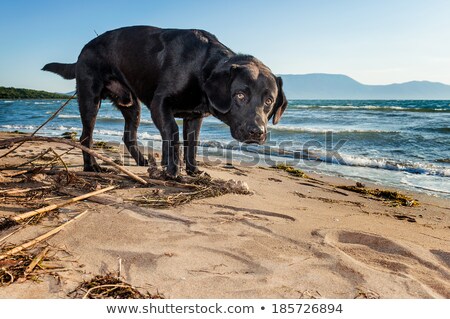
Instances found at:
x=15 y=173
x=96 y=199
x=84 y=149
x=36 y=260
x=45 y=209
x=33 y=242
x=8 y=192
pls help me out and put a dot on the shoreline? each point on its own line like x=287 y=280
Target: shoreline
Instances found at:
x=289 y=239
x=324 y=168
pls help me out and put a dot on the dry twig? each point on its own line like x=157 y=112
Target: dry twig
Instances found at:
x=45 y=209
x=40 y=238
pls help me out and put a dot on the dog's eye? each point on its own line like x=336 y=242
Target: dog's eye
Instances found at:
x=268 y=101
x=240 y=96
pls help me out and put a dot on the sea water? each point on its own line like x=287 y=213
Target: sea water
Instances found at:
x=403 y=144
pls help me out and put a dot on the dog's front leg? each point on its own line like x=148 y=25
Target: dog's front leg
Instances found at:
x=165 y=122
x=191 y=132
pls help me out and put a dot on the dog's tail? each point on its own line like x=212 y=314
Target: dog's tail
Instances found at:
x=67 y=71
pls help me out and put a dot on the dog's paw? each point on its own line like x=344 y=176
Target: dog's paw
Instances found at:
x=170 y=177
x=197 y=173
x=93 y=168
x=155 y=172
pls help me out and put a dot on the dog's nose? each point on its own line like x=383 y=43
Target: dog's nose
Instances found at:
x=256 y=132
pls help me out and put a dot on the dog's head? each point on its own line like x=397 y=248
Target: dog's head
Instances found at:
x=245 y=94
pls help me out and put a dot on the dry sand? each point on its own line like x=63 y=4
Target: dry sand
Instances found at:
x=293 y=238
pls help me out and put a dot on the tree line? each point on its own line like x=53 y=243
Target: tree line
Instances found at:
x=11 y=93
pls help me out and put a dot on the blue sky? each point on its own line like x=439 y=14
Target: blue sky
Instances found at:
x=375 y=42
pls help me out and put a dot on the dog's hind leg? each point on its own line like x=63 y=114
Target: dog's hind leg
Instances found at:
x=89 y=100
x=132 y=115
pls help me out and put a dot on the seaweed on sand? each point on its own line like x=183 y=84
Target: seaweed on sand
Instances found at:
x=14 y=268
x=69 y=135
x=291 y=170
x=21 y=266
x=109 y=287
x=103 y=145
x=393 y=197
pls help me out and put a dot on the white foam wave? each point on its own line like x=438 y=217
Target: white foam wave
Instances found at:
x=108 y=132
x=67 y=116
x=368 y=107
x=297 y=129
x=147 y=136
x=381 y=163
x=19 y=127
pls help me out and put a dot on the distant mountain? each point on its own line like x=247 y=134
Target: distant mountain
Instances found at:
x=338 y=86
x=15 y=93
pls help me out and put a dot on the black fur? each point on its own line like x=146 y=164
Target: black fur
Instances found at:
x=176 y=73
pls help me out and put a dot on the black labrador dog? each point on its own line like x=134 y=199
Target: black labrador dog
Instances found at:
x=176 y=73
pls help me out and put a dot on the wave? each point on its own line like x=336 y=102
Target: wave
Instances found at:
x=371 y=108
x=296 y=129
x=379 y=163
x=394 y=165
x=19 y=127
x=427 y=185
x=147 y=136
x=335 y=158
x=66 y=116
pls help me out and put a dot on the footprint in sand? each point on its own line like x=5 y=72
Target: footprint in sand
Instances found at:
x=375 y=252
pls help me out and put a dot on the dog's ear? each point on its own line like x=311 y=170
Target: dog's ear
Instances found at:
x=217 y=88
x=280 y=104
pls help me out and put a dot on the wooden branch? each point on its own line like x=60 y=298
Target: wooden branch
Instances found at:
x=40 y=238
x=83 y=148
x=15 y=173
x=26 y=215
x=96 y=199
x=8 y=192
x=36 y=260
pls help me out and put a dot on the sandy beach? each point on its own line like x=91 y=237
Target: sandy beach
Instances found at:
x=293 y=237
